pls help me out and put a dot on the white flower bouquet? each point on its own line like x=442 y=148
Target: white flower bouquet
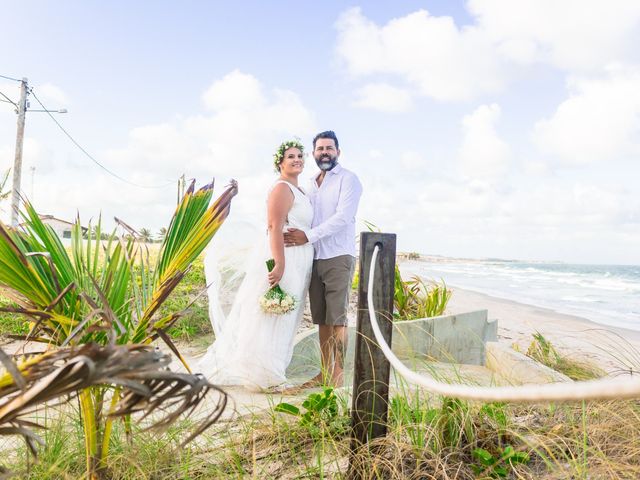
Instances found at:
x=276 y=301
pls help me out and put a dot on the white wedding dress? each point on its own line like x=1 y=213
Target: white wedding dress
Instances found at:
x=253 y=348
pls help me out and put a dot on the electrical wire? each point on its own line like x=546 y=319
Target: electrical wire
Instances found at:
x=73 y=140
x=10 y=78
x=8 y=100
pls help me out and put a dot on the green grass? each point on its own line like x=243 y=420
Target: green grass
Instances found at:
x=428 y=437
x=195 y=324
x=11 y=324
x=150 y=455
x=543 y=351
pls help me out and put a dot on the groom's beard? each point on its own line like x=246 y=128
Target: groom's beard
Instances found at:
x=326 y=162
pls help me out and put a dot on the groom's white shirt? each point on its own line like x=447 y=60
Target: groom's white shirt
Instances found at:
x=335 y=203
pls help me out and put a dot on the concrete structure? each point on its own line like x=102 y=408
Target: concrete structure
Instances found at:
x=448 y=338
x=516 y=368
x=438 y=346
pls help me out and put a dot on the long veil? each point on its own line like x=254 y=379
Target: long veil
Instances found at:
x=237 y=247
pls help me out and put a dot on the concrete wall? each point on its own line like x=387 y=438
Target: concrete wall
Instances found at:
x=448 y=338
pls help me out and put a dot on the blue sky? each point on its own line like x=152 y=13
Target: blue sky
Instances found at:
x=487 y=128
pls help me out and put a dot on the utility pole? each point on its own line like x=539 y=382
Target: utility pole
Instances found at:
x=17 y=163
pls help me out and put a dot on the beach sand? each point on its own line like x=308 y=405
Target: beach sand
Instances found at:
x=616 y=350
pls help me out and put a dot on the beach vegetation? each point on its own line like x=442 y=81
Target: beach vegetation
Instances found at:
x=355 y=282
x=321 y=413
x=162 y=233
x=543 y=351
x=415 y=298
x=103 y=293
x=145 y=235
x=137 y=379
x=190 y=297
x=428 y=437
x=498 y=465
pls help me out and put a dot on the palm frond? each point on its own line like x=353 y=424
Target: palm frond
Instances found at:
x=146 y=386
x=193 y=226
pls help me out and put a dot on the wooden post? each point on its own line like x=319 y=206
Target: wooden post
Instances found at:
x=371 y=368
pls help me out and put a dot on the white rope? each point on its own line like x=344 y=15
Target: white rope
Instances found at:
x=602 y=389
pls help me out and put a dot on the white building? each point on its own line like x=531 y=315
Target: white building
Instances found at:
x=61 y=227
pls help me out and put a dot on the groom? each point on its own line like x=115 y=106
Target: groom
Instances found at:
x=335 y=193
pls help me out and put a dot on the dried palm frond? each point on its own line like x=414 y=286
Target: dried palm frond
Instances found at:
x=139 y=373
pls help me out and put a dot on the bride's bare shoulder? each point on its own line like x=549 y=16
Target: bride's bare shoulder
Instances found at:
x=281 y=191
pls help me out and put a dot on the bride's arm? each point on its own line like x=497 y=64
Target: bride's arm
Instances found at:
x=278 y=206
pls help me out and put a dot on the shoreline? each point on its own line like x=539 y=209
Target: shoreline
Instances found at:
x=613 y=348
x=601 y=294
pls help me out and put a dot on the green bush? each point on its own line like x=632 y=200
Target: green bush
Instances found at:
x=414 y=299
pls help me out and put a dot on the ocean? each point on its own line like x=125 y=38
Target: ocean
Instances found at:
x=605 y=294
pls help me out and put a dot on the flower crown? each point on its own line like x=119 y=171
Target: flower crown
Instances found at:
x=284 y=146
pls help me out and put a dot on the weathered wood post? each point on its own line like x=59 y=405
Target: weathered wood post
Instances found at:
x=371 y=368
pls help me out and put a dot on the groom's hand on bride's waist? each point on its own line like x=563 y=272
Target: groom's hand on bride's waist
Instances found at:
x=294 y=237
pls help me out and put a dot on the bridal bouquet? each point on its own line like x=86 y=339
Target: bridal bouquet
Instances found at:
x=276 y=301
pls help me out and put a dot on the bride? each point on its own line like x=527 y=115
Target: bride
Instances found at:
x=254 y=348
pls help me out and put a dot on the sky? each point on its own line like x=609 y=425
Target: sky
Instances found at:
x=484 y=129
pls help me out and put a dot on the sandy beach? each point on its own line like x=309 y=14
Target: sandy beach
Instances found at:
x=614 y=349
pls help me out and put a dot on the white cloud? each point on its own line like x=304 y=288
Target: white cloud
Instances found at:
x=435 y=56
x=448 y=62
x=375 y=154
x=483 y=153
x=570 y=34
x=235 y=139
x=555 y=219
x=413 y=160
x=600 y=121
x=234 y=90
x=383 y=97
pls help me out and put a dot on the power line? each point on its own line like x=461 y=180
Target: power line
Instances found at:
x=91 y=156
x=10 y=78
x=8 y=100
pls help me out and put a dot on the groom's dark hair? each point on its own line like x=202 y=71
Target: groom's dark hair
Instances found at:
x=327 y=134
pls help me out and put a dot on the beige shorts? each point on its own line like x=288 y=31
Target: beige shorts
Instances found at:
x=329 y=290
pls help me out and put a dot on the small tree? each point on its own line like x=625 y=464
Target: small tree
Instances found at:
x=103 y=293
x=162 y=233
x=145 y=235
